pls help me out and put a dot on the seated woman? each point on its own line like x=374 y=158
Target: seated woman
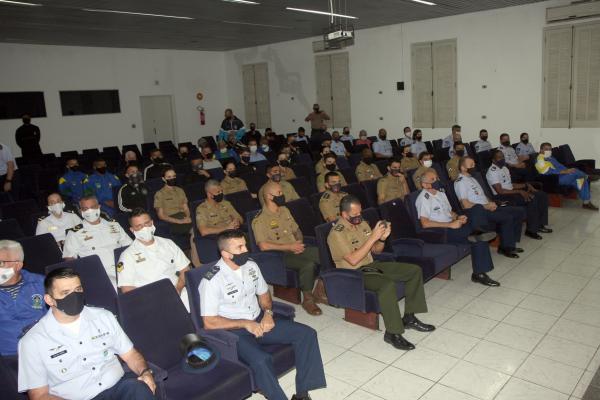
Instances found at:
x=171 y=206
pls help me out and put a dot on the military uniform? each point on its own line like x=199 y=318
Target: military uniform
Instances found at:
x=482 y=145
x=523 y=149
x=101 y=239
x=321 y=180
x=417 y=176
x=131 y=197
x=345 y=238
x=287 y=173
x=391 y=188
x=329 y=204
x=233 y=295
x=452 y=168
x=218 y=216
x=417 y=148
x=101 y=186
x=383 y=147
x=320 y=167
x=409 y=163
x=520 y=174
x=233 y=185
x=172 y=200
x=279 y=228
x=286 y=188
x=57 y=226
x=367 y=172
x=71 y=185
x=448 y=142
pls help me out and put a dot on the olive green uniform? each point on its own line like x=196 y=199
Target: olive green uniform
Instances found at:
x=452 y=168
x=321 y=180
x=218 y=215
x=346 y=238
x=286 y=188
x=320 y=167
x=329 y=204
x=409 y=163
x=390 y=187
x=417 y=176
x=367 y=172
x=172 y=201
x=281 y=228
x=233 y=185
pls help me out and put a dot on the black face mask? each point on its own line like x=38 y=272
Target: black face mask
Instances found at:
x=471 y=170
x=171 y=182
x=525 y=141
x=197 y=167
x=316 y=110
x=158 y=160
x=395 y=171
x=382 y=137
x=74 y=168
x=184 y=156
x=246 y=159
x=356 y=220
x=218 y=198
x=101 y=170
x=500 y=163
x=459 y=153
x=418 y=138
x=330 y=167
x=279 y=200
x=72 y=304
x=284 y=163
x=346 y=133
x=437 y=185
x=409 y=154
x=232 y=174
x=484 y=138
x=276 y=177
x=336 y=187
x=240 y=259
x=368 y=160
x=208 y=156
x=505 y=144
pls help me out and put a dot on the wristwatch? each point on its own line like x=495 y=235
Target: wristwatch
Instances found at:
x=269 y=312
x=147 y=370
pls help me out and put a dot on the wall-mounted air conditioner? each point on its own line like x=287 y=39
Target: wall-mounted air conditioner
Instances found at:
x=587 y=9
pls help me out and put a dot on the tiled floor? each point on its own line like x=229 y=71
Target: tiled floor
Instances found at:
x=534 y=338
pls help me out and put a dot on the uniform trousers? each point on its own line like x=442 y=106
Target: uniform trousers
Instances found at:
x=9 y=368
x=481 y=259
x=536 y=209
x=384 y=284
x=507 y=220
x=309 y=366
x=306 y=264
x=579 y=181
x=128 y=387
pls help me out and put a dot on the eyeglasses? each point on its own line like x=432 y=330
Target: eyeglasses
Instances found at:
x=5 y=262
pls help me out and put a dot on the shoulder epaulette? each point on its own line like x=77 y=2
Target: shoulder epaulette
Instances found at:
x=106 y=217
x=338 y=227
x=212 y=272
x=42 y=217
x=325 y=196
x=75 y=228
x=459 y=179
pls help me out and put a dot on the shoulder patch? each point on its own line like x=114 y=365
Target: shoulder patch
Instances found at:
x=493 y=168
x=120 y=267
x=42 y=217
x=427 y=196
x=75 y=228
x=62 y=180
x=212 y=272
x=338 y=228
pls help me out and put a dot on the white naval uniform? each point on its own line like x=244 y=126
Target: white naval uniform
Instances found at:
x=434 y=207
x=225 y=294
x=140 y=265
x=510 y=155
x=74 y=366
x=468 y=188
x=101 y=239
x=57 y=226
x=482 y=145
x=496 y=175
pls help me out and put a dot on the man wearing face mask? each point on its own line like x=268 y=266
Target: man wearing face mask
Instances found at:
x=231 y=124
x=330 y=166
x=234 y=296
x=434 y=211
x=409 y=161
x=274 y=175
x=366 y=170
x=548 y=165
x=452 y=164
x=197 y=173
x=232 y=183
x=337 y=146
x=352 y=244
x=524 y=149
x=71 y=183
x=407 y=140
x=209 y=161
x=171 y=204
x=274 y=228
x=255 y=155
x=151 y=258
x=317 y=119
x=252 y=134
x=383 y=148
x=134 y=193
x=216 y=214
x=100 y=184
x=58 y=221
x=346 y=136
x=320 y=165
x=425 y=162
x=95 y=235
x=329 y=204
x=417 y=147
x=482 y=144
x=285 y=166
x=484 y=212
x=71 y=353
x=393 y=185
x=362 y=139
x=519 y=170
x=154 y=170
x=452 y=138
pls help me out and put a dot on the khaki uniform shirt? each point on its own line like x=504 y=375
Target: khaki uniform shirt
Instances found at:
x=320 y=167
x=330 y=204
x=171 y=201
x=218 y=216
x=417 y=176
x=321 y=180
x=287 y=173
x=233 y=185
x=276 y=227
x=286 y=188
x=345 y=238
x=365 y=172
x=391 y=188
x=409 y=163
x=452 y=168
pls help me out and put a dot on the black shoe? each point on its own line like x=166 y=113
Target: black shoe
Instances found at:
x=589 y=206
x=482 y=236
x=414 y=323
x=396 y=340
x=544 y=229
x=533 y=235
x=507 y=253
x=518 y=250
x=295 y=397
x=484 y=279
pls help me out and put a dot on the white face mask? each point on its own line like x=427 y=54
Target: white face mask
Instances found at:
x=6 y=274
x=265 y=147
x=547 y=153
x=427 y=163
x=91 y=214
x=56 y=208
x=253 y=149
x=145 y=234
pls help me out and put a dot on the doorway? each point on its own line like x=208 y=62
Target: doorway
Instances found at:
x=157 y=118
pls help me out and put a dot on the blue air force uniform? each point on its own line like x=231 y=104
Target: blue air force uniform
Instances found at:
x=232 y=294
x=102 y=186
x=71 y=185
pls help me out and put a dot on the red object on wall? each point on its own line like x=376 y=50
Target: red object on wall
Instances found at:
x=202 y=116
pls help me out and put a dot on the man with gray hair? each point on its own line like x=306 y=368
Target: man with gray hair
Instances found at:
x=216 y=214
x=97 y=234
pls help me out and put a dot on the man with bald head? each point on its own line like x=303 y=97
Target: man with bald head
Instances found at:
x=274 y=228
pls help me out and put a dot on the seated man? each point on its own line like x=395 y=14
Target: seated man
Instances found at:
x=425 y=162
x=383 y=148
x=244 y=166
x=216 y=214
x=330 y=166
x=134 y=193
x=95 y=235
x=407 y=140
x=346 y=135
x=320 y=165
x=171 y=204
x=274 y=228
x=197 y=173
x=366 y=170
x=329 y=203
x=452 y=164
x=548 y=165
x=408 y=161
x=157 y=165
x=100 y=184
x=252 y=133
x=482 y=144
x=151 y=258
x=337 y=147
x=285 y=166
x=71 y=183
x=525 y=149
x=224 y=151
x=58 y=221
x=71 y=353
x=255 y=155
x=235 y=296
x=434 y=211
x=209 y=161
x=417 y=147
x=393 y=185
x=274 y=175
x=520 y=195
x=519 y=170
x=232 y=183
x=301 y=135
x=352 y=244
x=483 y=212
x=363 y=140
x=453 y=137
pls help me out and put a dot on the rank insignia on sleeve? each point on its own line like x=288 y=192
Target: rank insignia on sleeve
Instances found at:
x=120 y=267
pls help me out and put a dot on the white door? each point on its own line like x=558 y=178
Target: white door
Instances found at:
x=157 y=118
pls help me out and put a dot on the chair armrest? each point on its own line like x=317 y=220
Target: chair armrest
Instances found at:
x=283 y=310
x=271 y=266
x=384 y=256
x=409 y=242
x=345 y=288
x=433 y=235
x=408 y=247
x=225 y=342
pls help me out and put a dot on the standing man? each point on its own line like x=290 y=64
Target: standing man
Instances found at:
x=352 y=244
x=95 y=235
x=453 y=137
x=425 y=162
x=317 y=119
x=71 y=183
x=8 y=170
x=382 y=147
x=134 y=193
x=216 y=214
x=231 y=124
x=274 y=228
x=393 y=185
x=100 y=184
x=58 y=221
x=482 y=144
x=235 y=296
x=28 y=138
x=407 y=140
x=366 y=170
x=516 y=165
x=71 y=353
x=329 y=204
x=274 y=174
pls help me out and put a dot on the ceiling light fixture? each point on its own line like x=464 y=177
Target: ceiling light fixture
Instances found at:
x=254 y=24
x=134 y=13
x=242 y=2
x=329 y=14
x=19 y=3
x=428 y=3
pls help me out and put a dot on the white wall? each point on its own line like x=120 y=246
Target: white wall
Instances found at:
x=501 y=49
x=132 y=71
